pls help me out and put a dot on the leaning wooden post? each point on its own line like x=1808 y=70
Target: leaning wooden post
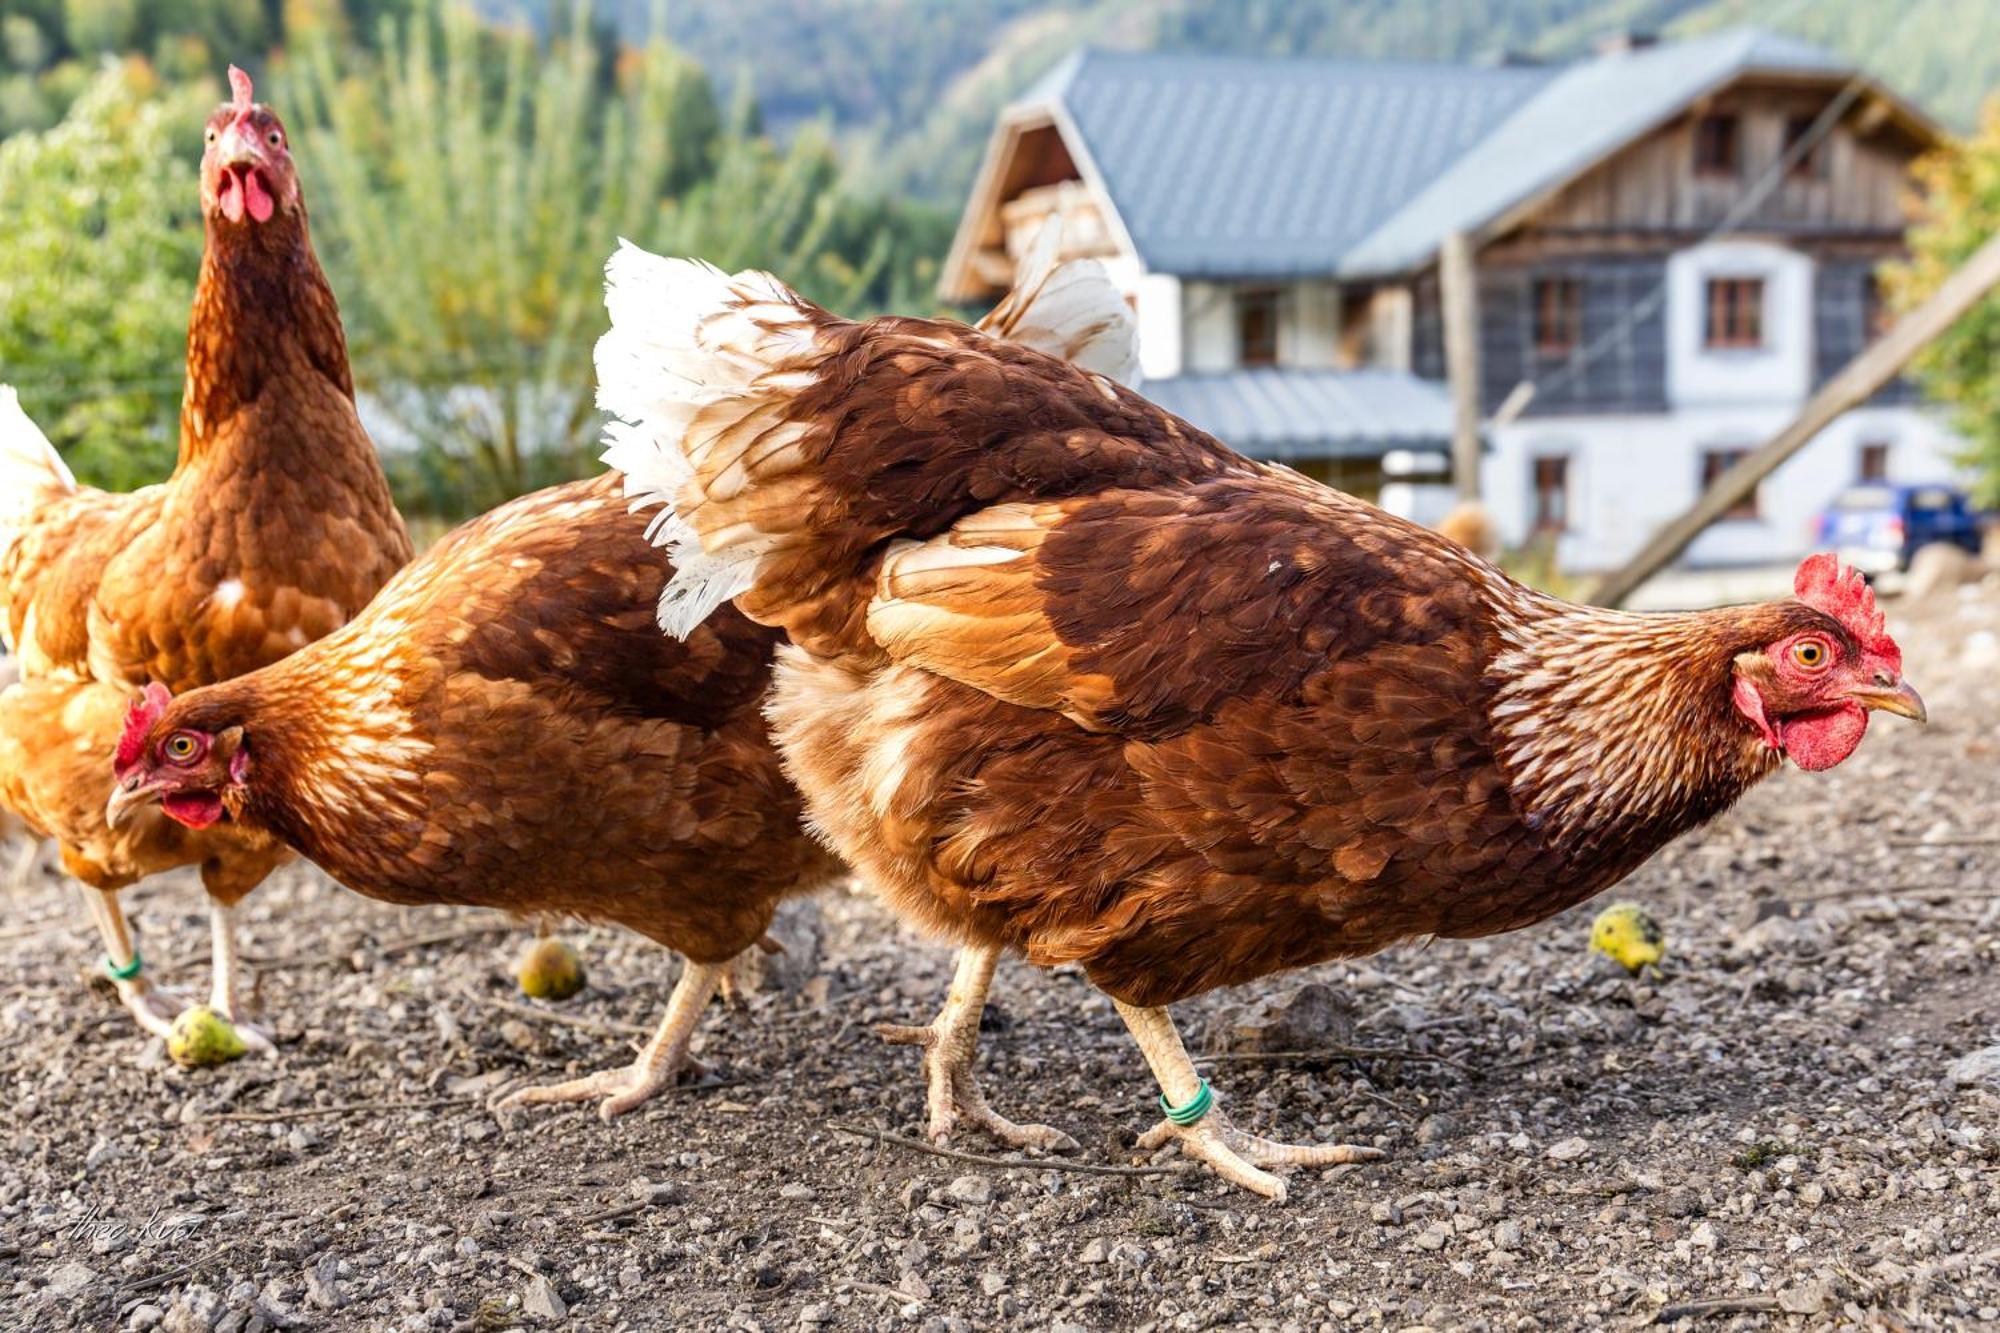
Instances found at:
x=1459 y=291
x=1857 y=381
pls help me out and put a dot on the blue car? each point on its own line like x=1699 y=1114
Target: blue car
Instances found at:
x=1876 y=526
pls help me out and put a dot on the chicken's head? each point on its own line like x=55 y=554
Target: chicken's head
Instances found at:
x=246 y=169
x=1809 y=692
x=195 y=767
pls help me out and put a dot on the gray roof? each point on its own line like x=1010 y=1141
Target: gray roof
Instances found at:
x=1240 y=167
x=1586 y=113
x=1283 y=413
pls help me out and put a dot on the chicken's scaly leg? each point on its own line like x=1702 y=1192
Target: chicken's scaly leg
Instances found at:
x=1233 y=1154
x=155 y=1012
x=664 y=1059
x=223 y=964
x=24 y=865
x=949 y=1044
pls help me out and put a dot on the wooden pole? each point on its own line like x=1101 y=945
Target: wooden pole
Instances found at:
x=1858 y=380
x=1459 y=289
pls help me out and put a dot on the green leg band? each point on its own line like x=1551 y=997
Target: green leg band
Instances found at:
x=125 y=973
x=1197 y=1107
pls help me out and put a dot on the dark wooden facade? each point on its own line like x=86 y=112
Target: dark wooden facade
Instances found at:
x=1610 y=231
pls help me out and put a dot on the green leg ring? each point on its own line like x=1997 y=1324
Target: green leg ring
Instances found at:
x=1198 y=1106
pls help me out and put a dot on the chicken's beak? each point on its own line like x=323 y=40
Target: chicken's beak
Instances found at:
x=1893 y=696
x=129 y=796
x=237 y=147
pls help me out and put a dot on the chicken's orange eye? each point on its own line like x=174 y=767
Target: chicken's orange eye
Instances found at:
x=182 y=747
x=275 y=139
x=1811 y=654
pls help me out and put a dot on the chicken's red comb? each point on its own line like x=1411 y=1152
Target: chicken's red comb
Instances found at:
x=239 y=84
x=1825 y=584
x=147 y=709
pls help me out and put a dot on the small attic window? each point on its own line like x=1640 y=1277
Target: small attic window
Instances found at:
x=1257 y=326
x=1715 y=146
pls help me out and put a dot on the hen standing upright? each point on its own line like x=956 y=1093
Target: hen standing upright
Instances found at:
x=506 y=726
x=275 y=528
x=1073 y=678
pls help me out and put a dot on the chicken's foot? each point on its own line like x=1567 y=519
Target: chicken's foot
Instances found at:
x=1230 y=1152
x=225 y=973
x=153 y=1009
x=949 y=1043
x=663 y=1061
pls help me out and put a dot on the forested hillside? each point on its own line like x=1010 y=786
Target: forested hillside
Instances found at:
x=913 y=84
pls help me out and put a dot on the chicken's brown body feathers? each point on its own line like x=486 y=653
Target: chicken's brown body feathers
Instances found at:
x=506 y=727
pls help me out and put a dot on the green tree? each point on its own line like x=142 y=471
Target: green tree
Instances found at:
x=1958 y=211
x=98 y=259
x=467 y=186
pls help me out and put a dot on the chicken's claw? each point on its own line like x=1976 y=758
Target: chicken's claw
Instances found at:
x=1236 y=1155
x=952 y=1095
x=664 y=1061
x=622 y=1089
x=153 y=1007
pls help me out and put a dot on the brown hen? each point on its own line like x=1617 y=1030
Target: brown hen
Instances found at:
x=275 y=527
x=1072 y=678
x=505 y=726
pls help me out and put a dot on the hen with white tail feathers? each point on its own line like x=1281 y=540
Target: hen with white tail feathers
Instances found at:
x=1071 y=678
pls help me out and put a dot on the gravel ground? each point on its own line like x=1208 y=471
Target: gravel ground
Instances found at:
x=1788 y=1126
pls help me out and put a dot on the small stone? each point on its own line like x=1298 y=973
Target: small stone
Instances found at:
x=145 y=1316
x=1704 y=1236
x=795 y=1192
x=1569 y=1150
x=1433 y=1236
x=974 y=1190
x=70 y=1279
x=992 y=1283
x=193 y=1311
x=323 y=1285
x=1096 y=1252
x=1507 y=1235
x=1805 y=1298
x=1436 y=1129
x=1977 y=1067
x=817 y=1313
x=1302 y=1019
x=542 y=1301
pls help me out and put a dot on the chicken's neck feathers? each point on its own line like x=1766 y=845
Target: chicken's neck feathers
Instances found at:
x=1613 y=722
x=264 y=323
x=336 y=751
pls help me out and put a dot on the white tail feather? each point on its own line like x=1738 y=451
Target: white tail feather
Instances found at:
x=685 y=335
x=31 y=471
x=1072 y=311
x=698 y=364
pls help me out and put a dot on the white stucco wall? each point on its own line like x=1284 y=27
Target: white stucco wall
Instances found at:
x=1309 y=326
x=1628 y=475
x=1779 y=371
x=1156 y=302
x=1200 y=335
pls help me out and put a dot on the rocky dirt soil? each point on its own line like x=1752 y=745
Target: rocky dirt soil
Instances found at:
x=1794 y=1123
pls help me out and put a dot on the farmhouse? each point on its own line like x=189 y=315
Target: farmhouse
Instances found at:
x=1673 y=244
